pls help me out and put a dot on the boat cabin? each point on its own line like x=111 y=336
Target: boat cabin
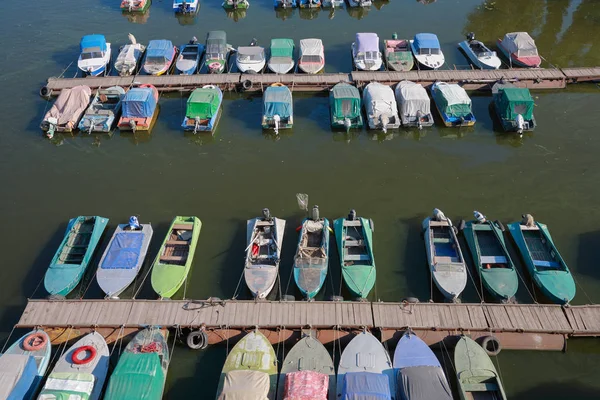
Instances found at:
x=93 y=46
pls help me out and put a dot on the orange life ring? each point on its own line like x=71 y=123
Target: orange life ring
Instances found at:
x=80 y=361
x=35 y=341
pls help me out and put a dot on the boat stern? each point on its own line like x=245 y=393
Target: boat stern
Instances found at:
x=260 y=279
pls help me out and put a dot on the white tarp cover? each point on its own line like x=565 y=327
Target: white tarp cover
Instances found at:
x=128 y=57
x=250 y=50
x=245 y=385
x=423 y=383
x=454 y=94
x=412 y=98
x=379 y=100
x=70 y=105
x=520 y=43
x=12 y=368
x=312 y=47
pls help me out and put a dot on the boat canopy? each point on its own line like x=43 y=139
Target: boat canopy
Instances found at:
x=426 y=43
x=139 y=102
x=277 y=100
x=452 y=100
x=413 y=98
x=250 y=53
x=306 y=385
x=159 y=49
x=345 y=101
x=520 y=43
x=513 y=101
x=17 y=374
x=312 y=47
x=124 y=251
x=367 y=42
x=282 y=48
x=203 y=103
x=366 y=386
x=136 y=376
x=93 y=43
x=245 y=385
x=423 y=383
x=216 y=43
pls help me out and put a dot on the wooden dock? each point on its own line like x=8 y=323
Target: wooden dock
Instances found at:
x=517 y=326
x=538 y=78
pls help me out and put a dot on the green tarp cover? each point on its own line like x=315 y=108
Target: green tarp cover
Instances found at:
x=138 y=376
x=282 y=48
x=203 y=103
x=68 y=386
x=345 y=101
x=452 y=100
x=513 y=101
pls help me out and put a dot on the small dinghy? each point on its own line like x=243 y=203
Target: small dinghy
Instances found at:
x=263 y=254
x=310 y=3
x=312 y=56
x=203 y=109
x=398 y=56
x=520 y=49
x=217 y=52
x=445 y=259
x=278 y=108
x=174 y=259
x=307 y=372
x=491 y=257
x=453 y=103
x=514 y=107
x=479 y=54
x=185 y=6
x=282 y=56
x=365 y=369
x=129 y=57
x=420 y=374
x=74 y=254
x=545 y=264
x=95 y=55
x=142 y=368
x=159 y=57
x=101 y=114
x=135 y=5
x=354 y=237
x=251 y=369
x=23 y=366
x=189 y=57
x=67 y=110
x=250 y=59
x=345 y=107
x=124 y=257
x=80 y=372
x=312 y=254
x=414 y=104
x=235 y=4
x=285 y=4
x=426 y=49
x=380 y=105
x=365 y=52
x=139 y=109
x=475 y=372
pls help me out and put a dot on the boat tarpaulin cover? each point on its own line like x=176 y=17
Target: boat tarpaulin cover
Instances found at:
x=412 y=98
x=423 y=383
x=452 y=100
x=62 y=385
x=216 y=42
x=203 y=103
x=367 y=42
x=513 y=101
x=17 y=374
x=124 y=251
x=137 y=376
x=379 y=100
x=366 y=386
x=277 y=100
x=426 y=41
x=345 y=101
x=520 y=43
x=160 y=49
x=70 y=105
x=311 y=47
x=139 y=102
x=245 y=385
x=282 y=48
x=91 y=43
x=306 y=385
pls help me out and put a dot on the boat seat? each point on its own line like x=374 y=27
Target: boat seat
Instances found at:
x=480 y=387
x=354 y=243
x=177 y=242
x=357 y=257
x=547 y=264
x=104 y=112
x=493 y=260
x=173 y=258
x=356 y=222
x=183 y=227
x=442 y=240
x=264 y=223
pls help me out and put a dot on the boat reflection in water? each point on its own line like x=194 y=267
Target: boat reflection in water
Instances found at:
x=186 y=19
x=358 y=12
x=284 y=13
x=309 y=13
x=137 y=17
x=380 y=3
x=236 y=15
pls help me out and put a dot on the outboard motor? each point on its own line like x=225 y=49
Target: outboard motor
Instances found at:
x=352 y=215
x=276 y=119
x=520 y=124
x=196 y=124
x=50 y=126
x=132 y=125
x=528 y=220
x=395 y=36
x=134 y=224
x=419 y=115
x=438 y=215
x=347 y=124
x=383 y=120
x=315 y=213
x=470 y=36
x=266 y=214
x=479 y=217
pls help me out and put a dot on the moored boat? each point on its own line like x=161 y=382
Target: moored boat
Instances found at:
x=282 y=56
x=310 y=3
x=74 y=254
x=160 y=55
x=360 y=3
x=186 y=6
x=250 y=59
x=475 y=372
x=427 y=51
x=332 y=3
x=546 y=266
x=312 y=56
x=174 y=259
x=67 y=110
x=285 y=4
x=264 y=236
x=365 y=52
x=354 y=238
x=380 y=105
x=414 y=105
x=103 y=110
x=217 y=52
x=278 y=108
x=139 y=109
x=129 y=57
x=236 y=4
x=142 y=368
x=398 y=56
x=135 y=5
x=124 y=257
x=444 y=256
x=514 y=107
x=95 y=55
x=479 y=54
x=203 y=109
x=453 y=103
x=189 y=57
x=80 y=372
x=491 y=257
x=345 y=107
x=520 y=49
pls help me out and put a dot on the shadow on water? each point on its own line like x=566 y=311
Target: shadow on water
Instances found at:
x=246 y=109
x=207 y=372
x=587 y=256
x=232 y=271
x=416 y=271
x=35 y=274
x=236 y=15
x=559 y=391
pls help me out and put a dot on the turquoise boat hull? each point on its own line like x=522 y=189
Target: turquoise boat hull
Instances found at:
x=310 y=272
x=74 y=254
x=545 y=264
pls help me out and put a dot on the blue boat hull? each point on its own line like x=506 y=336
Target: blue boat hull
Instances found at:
x=307 y=292
x=95 y=72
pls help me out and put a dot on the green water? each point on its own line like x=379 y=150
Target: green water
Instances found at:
x=396 y=179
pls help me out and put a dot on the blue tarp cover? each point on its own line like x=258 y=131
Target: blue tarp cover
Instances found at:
x=426 y=41
x=160 y=48
x=139 y=102
x=411 y=351
x=93 y=41
x=277 y=100
x=124 y=251
x=366 y=386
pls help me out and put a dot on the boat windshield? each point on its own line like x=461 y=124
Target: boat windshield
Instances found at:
x=369 y=55
x=189 y=56
x=251 y=57
x=90 y=55
x=425 y=51
x=310 y=59
x=214 y=56
x=155 y=60
x=347 y=109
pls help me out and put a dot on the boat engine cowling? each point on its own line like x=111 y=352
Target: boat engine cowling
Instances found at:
x=470 y=36
x=315 y=213
x=266 y=214
x=520 y=123
x=352 y=215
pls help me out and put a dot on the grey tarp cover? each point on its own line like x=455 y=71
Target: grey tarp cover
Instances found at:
x=311 y=47
x=412 y=98
x=423 y=383
x=366 y=386
x=245 y=385
x=70 y=105
x=367 y=42
x=520 y=43
x=379 y=100
x=17 y=373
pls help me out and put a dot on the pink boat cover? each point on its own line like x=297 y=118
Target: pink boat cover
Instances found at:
x=306 y=385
